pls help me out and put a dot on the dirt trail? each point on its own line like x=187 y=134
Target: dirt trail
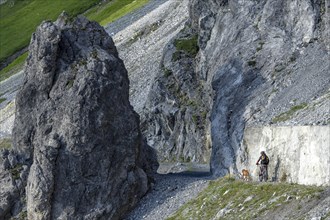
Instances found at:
x=168 y=194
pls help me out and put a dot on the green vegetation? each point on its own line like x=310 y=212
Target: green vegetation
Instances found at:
x=19 y=19
x=69 y=84
x=195 y=118
x=16 y=171
x=5 y=143
x=242 y=200
x=327 y=216
x=2 y=100
x=189 y=46
x=14 y=67
x=22 y=215
x=287 y=115
x=108 y=12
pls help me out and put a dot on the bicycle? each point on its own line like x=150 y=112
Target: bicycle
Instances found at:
x=263 y=174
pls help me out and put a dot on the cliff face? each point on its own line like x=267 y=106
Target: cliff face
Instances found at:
x=253 y=63
x=267 y=62
x=174 y=115
x=76 y=135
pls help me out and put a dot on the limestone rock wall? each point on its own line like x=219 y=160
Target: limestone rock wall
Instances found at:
x=298 y=154
x=267 y=63
x=256 y=63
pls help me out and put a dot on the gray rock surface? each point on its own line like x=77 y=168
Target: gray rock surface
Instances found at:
x=141 y=46
x=254 y=66
x=175 y=115
x=75 y=125
x=267 y=62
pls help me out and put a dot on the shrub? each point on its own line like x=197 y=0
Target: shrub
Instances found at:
x=189 y=46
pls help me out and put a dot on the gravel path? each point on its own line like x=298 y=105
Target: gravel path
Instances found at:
x=168 y=194
x=122 y=23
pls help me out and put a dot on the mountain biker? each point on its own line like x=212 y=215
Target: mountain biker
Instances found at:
x=264 y=161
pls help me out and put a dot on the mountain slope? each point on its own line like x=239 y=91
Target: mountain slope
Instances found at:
x=229 y=199
x=258 y=64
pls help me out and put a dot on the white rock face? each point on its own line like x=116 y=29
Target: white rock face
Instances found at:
x=298 y=154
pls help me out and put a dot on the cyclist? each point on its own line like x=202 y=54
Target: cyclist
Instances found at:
x=264 y=161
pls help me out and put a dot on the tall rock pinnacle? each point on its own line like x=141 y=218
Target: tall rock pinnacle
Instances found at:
x=75 y=125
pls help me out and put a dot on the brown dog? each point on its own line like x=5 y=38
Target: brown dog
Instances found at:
x=246 y=175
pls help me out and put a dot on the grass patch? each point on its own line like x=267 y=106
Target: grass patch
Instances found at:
x=19 y=19
x=287 y=115
x=2 y=100
x=110 y=11
x=13 y=67
x=189 y=46
x=241 y=200
x=5 y=143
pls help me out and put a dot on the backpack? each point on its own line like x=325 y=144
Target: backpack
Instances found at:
x=265 y=160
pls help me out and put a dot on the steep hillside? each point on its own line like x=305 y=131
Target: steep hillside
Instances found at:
x=228 y=198
x=200 y=78
x=239 y=64
x=20 y=18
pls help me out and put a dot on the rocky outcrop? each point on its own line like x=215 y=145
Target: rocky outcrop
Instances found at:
x=177 y=108
x=174 y=117
x=75 y=127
